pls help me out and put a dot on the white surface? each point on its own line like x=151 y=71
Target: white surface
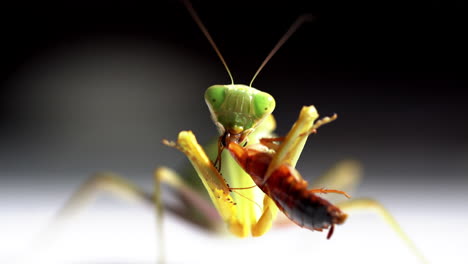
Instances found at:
x=112 y=231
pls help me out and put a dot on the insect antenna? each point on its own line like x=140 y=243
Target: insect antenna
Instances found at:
x=202 y=27
x=299 y=21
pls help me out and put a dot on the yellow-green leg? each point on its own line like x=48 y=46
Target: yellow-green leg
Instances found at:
x=194 y=208
x=345 y=176
x=103 y=182
x=367 y=204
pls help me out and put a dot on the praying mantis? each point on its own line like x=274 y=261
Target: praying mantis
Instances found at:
x=237 y=204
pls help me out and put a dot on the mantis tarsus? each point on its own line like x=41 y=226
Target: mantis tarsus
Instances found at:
x=245 y=210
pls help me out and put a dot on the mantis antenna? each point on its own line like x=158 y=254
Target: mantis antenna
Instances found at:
x=202 y=27
x=299 y=21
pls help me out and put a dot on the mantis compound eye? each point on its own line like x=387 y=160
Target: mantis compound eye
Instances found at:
x=214 y=96
x=264 y=104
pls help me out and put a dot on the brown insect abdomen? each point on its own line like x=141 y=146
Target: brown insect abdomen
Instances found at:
x=300 y=205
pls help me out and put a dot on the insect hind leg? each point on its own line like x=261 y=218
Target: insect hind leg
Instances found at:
x=367 y=204
x=325 y=191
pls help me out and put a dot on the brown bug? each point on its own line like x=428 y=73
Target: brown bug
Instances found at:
x=285 y=186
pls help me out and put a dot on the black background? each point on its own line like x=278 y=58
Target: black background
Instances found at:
x=393 y=70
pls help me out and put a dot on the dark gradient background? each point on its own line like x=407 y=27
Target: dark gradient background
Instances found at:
x=89 y=87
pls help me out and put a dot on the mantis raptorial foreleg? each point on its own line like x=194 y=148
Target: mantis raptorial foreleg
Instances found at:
x=240 y=220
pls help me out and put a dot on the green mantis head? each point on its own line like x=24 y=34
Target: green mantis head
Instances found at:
x=237 y=109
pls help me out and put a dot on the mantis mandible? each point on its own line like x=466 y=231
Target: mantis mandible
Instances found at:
x=243 y=209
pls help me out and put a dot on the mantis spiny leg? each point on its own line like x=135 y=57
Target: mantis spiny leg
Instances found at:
x=195 y=209
x=346 y=175
x=367 y=204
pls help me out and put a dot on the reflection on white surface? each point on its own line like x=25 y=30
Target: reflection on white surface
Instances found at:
x=115 y=232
